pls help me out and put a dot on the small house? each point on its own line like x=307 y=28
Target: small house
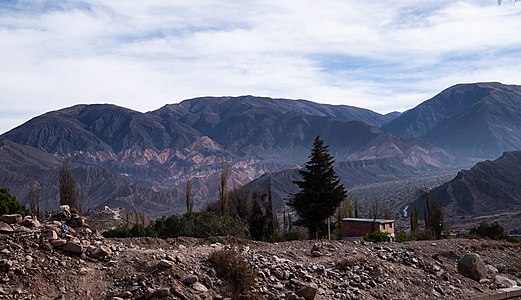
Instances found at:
x=357 y=228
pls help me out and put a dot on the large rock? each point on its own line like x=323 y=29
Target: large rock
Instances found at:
x=58 y=242
x=73 y=247
x=51 y=235
x=11 y=219
x=471 y=266
x=165 y=264
x=5 y=228
x=189 y=279
x=308 y=292
x=505 y=282
x=101 y=251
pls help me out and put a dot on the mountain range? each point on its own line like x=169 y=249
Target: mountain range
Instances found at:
x=480 y=120
x=141 y=160
x=487 y=188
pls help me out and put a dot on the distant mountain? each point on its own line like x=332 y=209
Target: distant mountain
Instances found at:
x=489 y=187
x=479 y=120
x=23 y=166
x=351 y=173
x=156 y=151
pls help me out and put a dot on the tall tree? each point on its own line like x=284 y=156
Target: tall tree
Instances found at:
x=433 y=219
x=34 y=200
x=223 y=195
x=344 y=211
x=68 y=193
x=188 y=196
x=414 y=220
x=320 y=190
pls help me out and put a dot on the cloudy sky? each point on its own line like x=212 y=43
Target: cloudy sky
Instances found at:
x=382 y=55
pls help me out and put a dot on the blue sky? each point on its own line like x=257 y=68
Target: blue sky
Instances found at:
x=381 y=55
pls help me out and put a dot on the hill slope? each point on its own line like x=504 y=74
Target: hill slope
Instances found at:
x=487 y=188
x=479 y=120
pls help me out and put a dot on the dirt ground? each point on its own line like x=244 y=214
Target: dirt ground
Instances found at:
x=150 y=268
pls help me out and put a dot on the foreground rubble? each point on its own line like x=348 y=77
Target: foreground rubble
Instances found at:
x=46 y=261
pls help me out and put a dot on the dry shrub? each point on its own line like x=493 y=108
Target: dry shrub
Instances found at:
x=237 y=272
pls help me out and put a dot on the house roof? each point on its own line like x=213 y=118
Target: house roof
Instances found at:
x=368 y=220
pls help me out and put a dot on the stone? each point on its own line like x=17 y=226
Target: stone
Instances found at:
x=27 y=222
x=161 y=292
x=73 y=247
x=29 y=261
x=11 y=219
x=5 y=228
x=308 y=292
x=471 y=266
x=58 y=243
x=207 y=281
x=316 y=253
x=504 y=281
x=165 y=264
x=292 y=296
x=190 y=279
x=199 y=287
x=51 y=235
x=101 y=251
x=491 y=269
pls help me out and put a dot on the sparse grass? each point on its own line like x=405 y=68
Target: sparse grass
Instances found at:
x=237 y=272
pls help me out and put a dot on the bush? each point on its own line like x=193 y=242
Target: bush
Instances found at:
x=512 y=239
x=9 y=204
x=296 y=234
x=124 y=231
x=404 y=237
x=236 y=271
x=201 y=225
x=377 y=237
x=492 y=231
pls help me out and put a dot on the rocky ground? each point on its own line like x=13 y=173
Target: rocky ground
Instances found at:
x=41 y=261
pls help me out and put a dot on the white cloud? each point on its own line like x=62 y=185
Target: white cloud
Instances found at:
x=381 y=55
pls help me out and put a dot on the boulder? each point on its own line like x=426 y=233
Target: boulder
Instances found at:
x=199 y=287
x=165 y=264
x=504 y=281
x=190 y=279
x=471 y=266
x=28 y=221
x=101 y=251
x=308 y=292
x=11 y=219
x=73 y=247
x=51 y=235
x=58 y=242
x=5 y=228
x=491 y=269
x=161 y=292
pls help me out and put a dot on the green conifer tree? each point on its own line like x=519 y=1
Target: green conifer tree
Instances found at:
x=320 y=190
